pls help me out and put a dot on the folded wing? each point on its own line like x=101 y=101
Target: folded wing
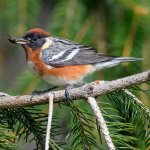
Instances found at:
x=67 y=53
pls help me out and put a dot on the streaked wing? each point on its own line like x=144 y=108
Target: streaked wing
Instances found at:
x=66 y=53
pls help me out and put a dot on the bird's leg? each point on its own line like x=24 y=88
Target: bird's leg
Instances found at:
x=67 y=95
x=42 y=92
x=69 y=87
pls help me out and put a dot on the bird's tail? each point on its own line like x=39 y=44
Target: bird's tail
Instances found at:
x=127 y=59
x=115 y=61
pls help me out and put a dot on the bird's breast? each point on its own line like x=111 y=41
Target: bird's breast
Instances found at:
x=59 y=76
x=51 y=79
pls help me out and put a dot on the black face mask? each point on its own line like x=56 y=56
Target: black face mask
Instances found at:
x=35 y=40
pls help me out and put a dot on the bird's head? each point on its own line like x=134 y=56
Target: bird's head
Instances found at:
x=34 y=38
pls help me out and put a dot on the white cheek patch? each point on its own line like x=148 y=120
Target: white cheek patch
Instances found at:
x=47 y=43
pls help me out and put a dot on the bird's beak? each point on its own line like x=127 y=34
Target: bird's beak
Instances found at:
x=17 y=40
x=20 y=41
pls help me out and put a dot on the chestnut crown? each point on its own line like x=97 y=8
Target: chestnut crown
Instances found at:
x=35 y=38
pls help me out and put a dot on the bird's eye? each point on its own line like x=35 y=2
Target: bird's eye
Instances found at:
x=34 y=38
x=29 y=39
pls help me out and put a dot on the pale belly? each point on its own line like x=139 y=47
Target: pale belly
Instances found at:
x=58 y=81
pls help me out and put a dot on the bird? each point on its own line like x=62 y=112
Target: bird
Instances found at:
x=62 y=62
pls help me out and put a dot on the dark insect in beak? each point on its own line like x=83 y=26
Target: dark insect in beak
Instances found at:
x=17 y=40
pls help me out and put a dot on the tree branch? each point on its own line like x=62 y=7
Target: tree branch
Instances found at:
x=101 y=122
x=88 y=90
x=49 y=123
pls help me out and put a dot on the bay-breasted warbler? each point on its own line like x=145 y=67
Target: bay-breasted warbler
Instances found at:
x=60 y=61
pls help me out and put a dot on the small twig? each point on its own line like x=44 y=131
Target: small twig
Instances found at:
x=101 y=121
x=137 y=101
x=133 y=96
x=50 y=114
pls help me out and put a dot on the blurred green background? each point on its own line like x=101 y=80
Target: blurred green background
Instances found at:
x=114 y=27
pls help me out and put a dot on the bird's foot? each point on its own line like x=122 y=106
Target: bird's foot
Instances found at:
x=41 y=92
x=67 y=93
